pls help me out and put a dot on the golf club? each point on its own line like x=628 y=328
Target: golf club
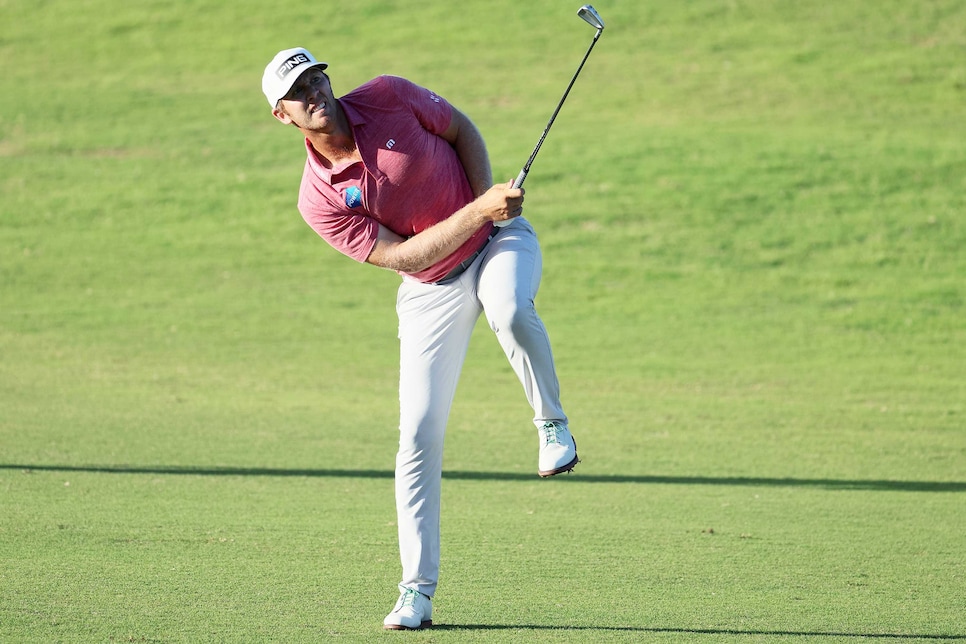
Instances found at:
x=591 y=17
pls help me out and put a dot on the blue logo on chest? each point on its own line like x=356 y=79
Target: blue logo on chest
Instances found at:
x=353 y=197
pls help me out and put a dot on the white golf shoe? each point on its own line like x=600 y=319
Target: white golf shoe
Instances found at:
x=558 y=449
x=413 y=611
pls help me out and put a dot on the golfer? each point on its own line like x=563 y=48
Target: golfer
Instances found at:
x=397 y=177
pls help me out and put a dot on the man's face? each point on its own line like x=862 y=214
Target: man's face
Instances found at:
x=310 y=104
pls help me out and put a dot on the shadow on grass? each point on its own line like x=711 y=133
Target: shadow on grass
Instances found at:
x=458 y=475
x=693 y=631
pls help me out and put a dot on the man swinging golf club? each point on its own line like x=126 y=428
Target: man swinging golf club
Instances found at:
x=398 y=178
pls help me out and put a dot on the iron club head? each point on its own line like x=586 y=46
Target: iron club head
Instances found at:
x=590 y=15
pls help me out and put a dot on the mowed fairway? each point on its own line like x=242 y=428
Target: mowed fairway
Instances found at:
x=752 y=216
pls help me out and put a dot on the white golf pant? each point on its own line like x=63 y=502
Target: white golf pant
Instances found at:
x=435 y=325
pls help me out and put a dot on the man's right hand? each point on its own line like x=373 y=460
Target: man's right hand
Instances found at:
x=502 y=202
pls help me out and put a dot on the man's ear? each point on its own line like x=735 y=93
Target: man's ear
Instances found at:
x=281 y=115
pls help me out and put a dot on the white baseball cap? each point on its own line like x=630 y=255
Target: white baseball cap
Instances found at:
x=284 y=70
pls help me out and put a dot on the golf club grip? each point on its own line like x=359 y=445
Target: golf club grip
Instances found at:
x=516 y=184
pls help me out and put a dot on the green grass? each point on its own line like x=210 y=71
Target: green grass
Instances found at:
x=752 y=221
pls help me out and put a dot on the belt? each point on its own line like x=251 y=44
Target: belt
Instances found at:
x=460 y=268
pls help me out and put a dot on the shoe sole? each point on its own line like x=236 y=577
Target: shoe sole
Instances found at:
x=560 y=470
x=399 y=627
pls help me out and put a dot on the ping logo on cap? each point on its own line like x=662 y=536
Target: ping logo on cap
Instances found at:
x=290 y=64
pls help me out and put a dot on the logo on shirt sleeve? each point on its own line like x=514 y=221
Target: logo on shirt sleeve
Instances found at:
x=353 y=197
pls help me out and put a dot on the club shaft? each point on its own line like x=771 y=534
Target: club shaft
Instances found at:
x=526 y=168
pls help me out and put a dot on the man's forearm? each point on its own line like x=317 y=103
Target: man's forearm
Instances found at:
x=431 y=245
x=437 y=242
